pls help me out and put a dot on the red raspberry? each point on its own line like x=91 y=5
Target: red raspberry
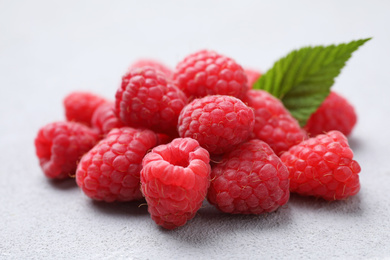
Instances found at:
x=273 y=122
x=104 y=118
x=335 y=113
x=209 y=73
x=218 y=123
x=175 y=178
x=322 y=166
x=253 y=76
x=111 y=170
x=145 y=99
x=79 y=106
x=153 y=64
x=60 y=145
x=250 y=180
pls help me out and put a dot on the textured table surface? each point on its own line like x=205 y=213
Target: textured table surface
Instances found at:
x=48 y=49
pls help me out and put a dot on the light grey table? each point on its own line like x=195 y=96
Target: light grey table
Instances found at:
x=48 y=49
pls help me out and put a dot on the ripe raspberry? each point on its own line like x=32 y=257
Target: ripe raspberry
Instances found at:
x=322 y=166
x=175 y=178
x=145 y=99
x=104 y=118
x=153 y=64
x=273 y=122
x=60 y=145
x=250 y=180
x=209 y=73
x=218 y=123
x=335 y=113
x=253 y=76
x=79 y=106
x=111 y=170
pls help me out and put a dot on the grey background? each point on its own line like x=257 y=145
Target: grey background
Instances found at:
x=50 y=48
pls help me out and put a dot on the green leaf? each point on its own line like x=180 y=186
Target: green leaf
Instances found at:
x=303 y=78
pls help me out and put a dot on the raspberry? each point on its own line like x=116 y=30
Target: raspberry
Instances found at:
x=111 y=170
x=145 y=99
x=323 y=167
x=335 y=113
x=209 y=73
x=60 y=145
x=273 y=122
x=249 y=180
x=79 y=106
x=175 y=178
x=104 y=118
x=253 y=76
x=153 y=64
x=218 y=123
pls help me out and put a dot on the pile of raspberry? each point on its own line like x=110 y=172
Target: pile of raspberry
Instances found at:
x=177 y=137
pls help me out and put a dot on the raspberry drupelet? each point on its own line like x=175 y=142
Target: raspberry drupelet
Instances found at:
x=110 y=171
x=218 y=123
x=323 y=166
x=175 y=178
x=60 y=145
x=251 y=179
x=209 y=73
x=146 y=99
x=273 y=122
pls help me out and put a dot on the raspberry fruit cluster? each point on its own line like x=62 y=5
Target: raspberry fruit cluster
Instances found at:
x=178 y=137
x=323 y=166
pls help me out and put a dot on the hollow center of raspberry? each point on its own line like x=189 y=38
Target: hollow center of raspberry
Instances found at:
x=178 y=160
